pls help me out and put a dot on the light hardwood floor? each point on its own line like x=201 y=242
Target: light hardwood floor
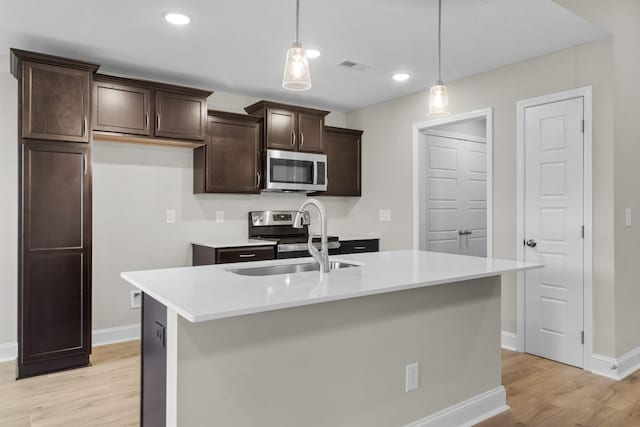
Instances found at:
x=541 y=393
x=104 y=394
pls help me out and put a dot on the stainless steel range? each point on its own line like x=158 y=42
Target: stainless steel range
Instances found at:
x=278 y=226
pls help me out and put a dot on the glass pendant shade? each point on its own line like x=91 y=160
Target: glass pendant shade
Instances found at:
x=438 y=100
x=297 y=75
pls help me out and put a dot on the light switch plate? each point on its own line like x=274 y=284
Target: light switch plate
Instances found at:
x=627 y=217
x=171 y=216
x=384 y=215
x=219 y=216
x=412 y=377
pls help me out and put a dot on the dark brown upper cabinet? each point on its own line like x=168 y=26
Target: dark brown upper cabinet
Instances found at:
x=311 y=131
x=290 y=127
x=121 y=108
x=54 y=96
x=344 y=161
x=180 y=116
x=143 y=111
x=229 y=162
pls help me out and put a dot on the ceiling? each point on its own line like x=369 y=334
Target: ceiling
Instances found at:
x=239 y=45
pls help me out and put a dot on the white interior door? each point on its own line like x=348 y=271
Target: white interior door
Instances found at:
x=553 y=229
x=456 y=208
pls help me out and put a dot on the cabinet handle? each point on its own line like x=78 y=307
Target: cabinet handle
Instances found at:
x=247 y=255
x=258 y=179
x=146 y=121
x=84 y=126
x=84 y=166
x=301 y=138
x=157 y=122
x=293 y=138
x=359 y=248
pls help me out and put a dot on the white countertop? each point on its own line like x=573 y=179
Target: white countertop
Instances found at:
x=233 y=243
x=211 y=292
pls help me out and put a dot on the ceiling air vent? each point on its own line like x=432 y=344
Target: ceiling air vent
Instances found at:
x=353 y=65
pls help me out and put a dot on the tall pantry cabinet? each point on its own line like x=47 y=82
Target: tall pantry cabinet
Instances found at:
x=54 y=213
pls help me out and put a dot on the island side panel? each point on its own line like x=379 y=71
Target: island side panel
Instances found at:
x=342 y=363
x=153 y=363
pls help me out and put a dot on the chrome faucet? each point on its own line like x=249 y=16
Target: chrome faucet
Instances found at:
x=321 y=257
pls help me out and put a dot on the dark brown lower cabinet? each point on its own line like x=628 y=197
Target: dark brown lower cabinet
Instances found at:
x=153 y=396
x=54 y=291
x=205 y=255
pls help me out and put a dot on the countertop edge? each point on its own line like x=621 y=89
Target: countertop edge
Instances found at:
x=292 y=304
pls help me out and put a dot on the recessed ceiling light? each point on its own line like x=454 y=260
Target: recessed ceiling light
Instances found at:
x=400 y=77
x=312 y=53
x=177 y=18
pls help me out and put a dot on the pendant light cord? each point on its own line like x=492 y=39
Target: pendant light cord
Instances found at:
x=439 y=40
x=297 y=20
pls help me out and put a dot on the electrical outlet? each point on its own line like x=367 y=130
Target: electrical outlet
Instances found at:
x=158 y=333
x=219 y=216
x=171 y=216
x=384 y=215
x=627 y=217
x=135 y=298
x=412 y=377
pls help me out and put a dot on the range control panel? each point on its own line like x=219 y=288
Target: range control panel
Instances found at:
x=269 y=218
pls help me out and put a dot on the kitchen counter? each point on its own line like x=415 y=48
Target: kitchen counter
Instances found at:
x=233 y=243
x=212 y=292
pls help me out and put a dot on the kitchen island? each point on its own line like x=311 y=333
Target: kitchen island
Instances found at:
x=227 y=349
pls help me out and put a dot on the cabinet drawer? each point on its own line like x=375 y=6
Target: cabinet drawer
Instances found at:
x=357 y=246
x=244 y=254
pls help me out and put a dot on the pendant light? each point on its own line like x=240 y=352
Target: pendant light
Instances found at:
x=296 y=69
x=438 y=96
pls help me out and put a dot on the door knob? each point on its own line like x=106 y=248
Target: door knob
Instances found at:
x=531 y=243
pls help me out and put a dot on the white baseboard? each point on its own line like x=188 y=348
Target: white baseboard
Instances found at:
x=509 y=341
x=616 y=369
x=116 y=335
x=9 y=351
x=468 y=412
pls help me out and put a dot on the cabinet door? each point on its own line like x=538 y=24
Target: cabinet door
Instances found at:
x=281 y=129
x=54 y=311
x=180 y=116
x=55 y=103
x=343 y=162
x=311 y=131
x=232 y=156
x=121 y=108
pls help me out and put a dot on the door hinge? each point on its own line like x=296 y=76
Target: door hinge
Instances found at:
x=582 y=337
x=582 y=232
x=582 y=125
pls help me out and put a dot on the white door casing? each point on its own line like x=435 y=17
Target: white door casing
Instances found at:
x=456 y=195
x=553 y=218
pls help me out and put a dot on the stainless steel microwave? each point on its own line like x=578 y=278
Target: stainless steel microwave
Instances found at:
x=295 y=171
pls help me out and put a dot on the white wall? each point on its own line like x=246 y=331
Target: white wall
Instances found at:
x=387 y=161
x=9 y=211
x=134 y=185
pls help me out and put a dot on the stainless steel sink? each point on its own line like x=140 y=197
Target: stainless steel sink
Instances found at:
x=272 y=270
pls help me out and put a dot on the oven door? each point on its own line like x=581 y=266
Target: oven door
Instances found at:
x=293 y=171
